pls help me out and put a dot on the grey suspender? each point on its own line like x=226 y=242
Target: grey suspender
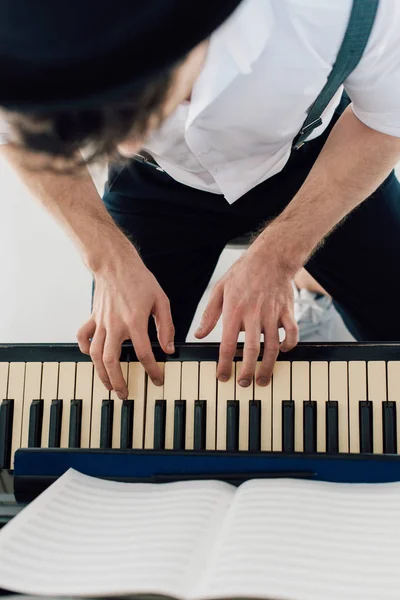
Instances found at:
x=358 y=31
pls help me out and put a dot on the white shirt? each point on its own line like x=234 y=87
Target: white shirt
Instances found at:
x=265 y=67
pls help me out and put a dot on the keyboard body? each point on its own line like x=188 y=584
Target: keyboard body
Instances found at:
x=332 y=412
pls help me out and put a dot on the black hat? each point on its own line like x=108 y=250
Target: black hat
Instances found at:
x=57 y=54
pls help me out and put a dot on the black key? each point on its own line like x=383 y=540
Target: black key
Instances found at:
x=160 y=414
x=75 y=424
x=200 y=424
x=35 y=424
x=126 y=440
x=106 y=424
x=309 y=426
x=6 y=424
x=56 y=410
x=179 y=424
x=389 y=428
x=332 y=426
x=288 y=426
x=232 y=425
x=254 y=425
x=366 y=427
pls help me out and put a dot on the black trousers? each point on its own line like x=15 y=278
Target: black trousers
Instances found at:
x=181 y=233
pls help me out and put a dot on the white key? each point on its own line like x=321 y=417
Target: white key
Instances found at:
x=137 y=393
x=116 y=435
x=190 y=393
x=172 y=392
x=319 y=394
x=244 y=395
x=208 y=391
x=280 y=392
x=48 y=394
x=83 y=391
x=154 y=392
x=300 y=393
x=393 y=384
x=66 y=392
x=338 y=392
x=357 y=393
x=264 y=394
x=225 y=392
x=33 y=380
x=16 y=379
x=100 y=393
x=377 y=394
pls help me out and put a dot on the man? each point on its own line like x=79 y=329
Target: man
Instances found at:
x=215 y=94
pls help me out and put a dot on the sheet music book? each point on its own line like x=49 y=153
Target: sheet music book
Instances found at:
x=275 y=539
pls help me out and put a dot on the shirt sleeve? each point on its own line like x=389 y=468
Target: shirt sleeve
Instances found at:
x=374 y=86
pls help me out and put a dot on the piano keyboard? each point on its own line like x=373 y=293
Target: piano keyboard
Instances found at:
x=312 y=405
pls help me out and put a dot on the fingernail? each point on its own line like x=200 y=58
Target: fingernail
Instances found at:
x=262 y=381
x=122 y=396
x=171 y=347
x=199 y=331
x=244 y=383
x=223 y=378
x=157 y=382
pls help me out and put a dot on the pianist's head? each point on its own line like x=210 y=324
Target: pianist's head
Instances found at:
x=99 y=80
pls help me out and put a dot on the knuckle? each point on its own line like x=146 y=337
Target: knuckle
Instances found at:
x=109 y=360
x=252 y=348
x=95 y=354
x=143 y=356
x=292 y=329
x=169 y=328
x=272 y=349
x=134 y=318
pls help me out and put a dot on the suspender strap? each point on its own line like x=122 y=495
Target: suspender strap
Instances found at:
x=358 y=31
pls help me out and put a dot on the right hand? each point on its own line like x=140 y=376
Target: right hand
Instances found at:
x=126 y=295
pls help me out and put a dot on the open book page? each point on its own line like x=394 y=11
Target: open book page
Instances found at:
x=87 y=536
x=306 y=540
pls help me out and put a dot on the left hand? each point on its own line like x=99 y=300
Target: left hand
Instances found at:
x=254 y=296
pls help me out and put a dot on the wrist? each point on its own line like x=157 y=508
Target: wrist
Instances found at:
x=281 y=247
x=112 y=254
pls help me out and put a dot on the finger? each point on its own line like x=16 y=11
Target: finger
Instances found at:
x=291 y=332
x=96 y=354
x=250 y=354
x=111 y=356
x=144 y=353
x=164 y=324
x=211 y=313
x=84 y=334
x=227 y=349
x=271 y=351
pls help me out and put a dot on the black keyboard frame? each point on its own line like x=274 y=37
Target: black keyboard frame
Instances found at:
x=206 y=352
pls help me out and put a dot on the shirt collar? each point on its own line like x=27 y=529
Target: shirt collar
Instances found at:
x=234 y=47
x=246 y=32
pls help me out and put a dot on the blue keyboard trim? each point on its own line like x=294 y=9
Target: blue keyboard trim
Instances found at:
x=145 y=464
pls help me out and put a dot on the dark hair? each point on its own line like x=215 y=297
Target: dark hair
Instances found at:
x=99 y=130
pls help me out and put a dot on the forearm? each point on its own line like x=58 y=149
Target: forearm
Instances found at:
x=75 y=203
x=353 y=163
